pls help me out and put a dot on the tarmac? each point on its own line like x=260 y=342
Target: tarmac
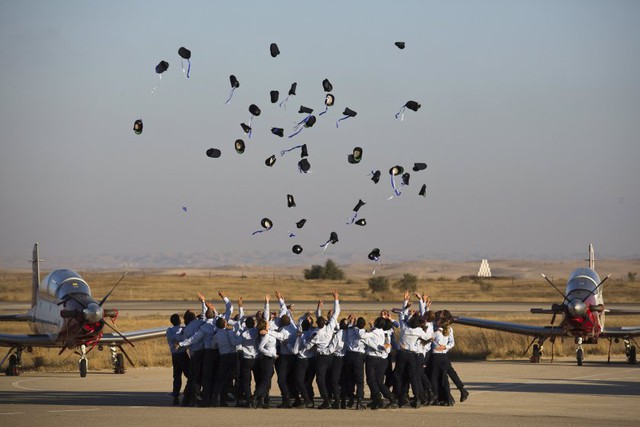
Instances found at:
x=501 y=393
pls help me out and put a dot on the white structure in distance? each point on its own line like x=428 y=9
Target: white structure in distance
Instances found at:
x=484 y=270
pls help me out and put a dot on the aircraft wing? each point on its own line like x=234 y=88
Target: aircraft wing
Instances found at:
x=15 y=318
x=33 y=340
x=621 y=312
x=143 y=334
x=621 y=332
x=514 y=328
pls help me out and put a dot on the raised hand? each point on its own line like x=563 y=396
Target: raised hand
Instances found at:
x=406 y=295
x=201 y=297
x=267 y=298
x=335 y=294
x=278 y=294
x=221 y=294
x=240 y=302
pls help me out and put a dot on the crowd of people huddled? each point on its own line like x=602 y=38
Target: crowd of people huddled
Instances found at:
x=231 y=359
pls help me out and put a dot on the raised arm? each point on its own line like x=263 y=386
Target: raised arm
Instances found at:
x=336 y=307
x=283 y=306
x=203 y=304
x=228 y=307
x=240 y=310
x=266 y=314
x=319 y=308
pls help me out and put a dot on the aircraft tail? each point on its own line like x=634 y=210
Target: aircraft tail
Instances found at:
x=592 y=257
x=35 y=280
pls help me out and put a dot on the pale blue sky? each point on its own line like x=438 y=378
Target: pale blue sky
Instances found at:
x=529 y=124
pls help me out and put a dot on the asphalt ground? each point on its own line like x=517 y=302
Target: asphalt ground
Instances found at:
x=501 y=393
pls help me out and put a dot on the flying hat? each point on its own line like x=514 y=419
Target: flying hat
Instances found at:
x=304 y=165
x=305 y=110
x=214 y=153
x=347 y=113
x=137 y=127
x=274 y=94
x=303 y=151
x=245 y=127
x=301 y=223
x=234 y=85
x=326 y=85
x=274 y=50
x=278 y=131
x=375 y=176
x=266 y=225
x=423 y=190
x=374 y=255
x=400 y=45
x=356 y=156
x=239 y=146
x=419 y=166
x=405 y=178
x=291 y=203
x=270 y=161
x=396 y=170
x=296 y=249
x=361 y=222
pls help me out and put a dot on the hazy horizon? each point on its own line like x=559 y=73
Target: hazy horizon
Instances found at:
x=528 y=123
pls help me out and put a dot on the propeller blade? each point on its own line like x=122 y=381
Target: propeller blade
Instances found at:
x=118 y=332
x=114 y=286
x=564 y=297
x=126 y=355
x=596 y=288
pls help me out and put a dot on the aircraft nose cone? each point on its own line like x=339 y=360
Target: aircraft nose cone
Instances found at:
x=93 y=313
x=577 y=308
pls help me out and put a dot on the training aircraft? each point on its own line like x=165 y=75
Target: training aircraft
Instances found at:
x=583 y=314
x=64 y=315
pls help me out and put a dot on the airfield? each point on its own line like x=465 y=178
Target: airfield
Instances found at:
x=502 y=393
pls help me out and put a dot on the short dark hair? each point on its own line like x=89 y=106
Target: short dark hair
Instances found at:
x=175 y=319
x=305 y=325
x=343 y=323
x=285 y=320
x=321 y=321
x=378 y=323
x=361 y=323
x=249 y=322
x=221 y=323
x=189 y=316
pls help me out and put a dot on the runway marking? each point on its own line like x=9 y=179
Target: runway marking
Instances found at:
x=76 y=410
x=17 y=385
x=11 y=413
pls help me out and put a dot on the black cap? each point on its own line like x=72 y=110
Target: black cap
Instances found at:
x=162 y=67
x=214 y=153
x=184 y=53
x=396 y=170
x=254 y=110
x=291 y=203
x=405 y=178
x=292 y=89
x=305 y=110
x=274 y=50
x=356 y=156
x=303 y=151
x=423 y=190
x=137 y=127
x=304 y=165
x=239 y=146
x=375 y=177
x=349 y=112
x=419 y=166
x=329 y=100
x=359 y=205
x=245 y=127
x=362 y=222
x=266 y=223
x=412 y=105
x=374 y=254
x=326 y=85
x=278 y=131
x=300 y=223
x=234 y=81
x=270 y=161
x=274 y=94
x=296 y=249
x=310 y=121
x=400 y=45
x=333 y=237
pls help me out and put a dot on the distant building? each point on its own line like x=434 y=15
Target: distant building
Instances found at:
x=484 y=270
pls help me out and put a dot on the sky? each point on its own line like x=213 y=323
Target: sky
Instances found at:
x=529 y=124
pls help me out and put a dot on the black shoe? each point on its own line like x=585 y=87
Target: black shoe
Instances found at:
x=308 y=404
x=325 y=404
x=433 y=401
x=359 y=405
x=256 y=402
x=391 y=405
x=286 y=403
x=265 y=404
x=402 y=402
x=417 y=403
x=335 y=404
x=176 y=401
x=350 y=404
x=464 y=394
x=343 y=403
x=203 y=403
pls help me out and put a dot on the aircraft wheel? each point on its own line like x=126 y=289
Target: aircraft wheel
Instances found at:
x=119 y=368
x=632 y=355
x=535 y=358
x=12 y=369
x=579 y=356
x=83 y=367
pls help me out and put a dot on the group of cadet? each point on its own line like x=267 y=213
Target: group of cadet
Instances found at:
x=226 y=351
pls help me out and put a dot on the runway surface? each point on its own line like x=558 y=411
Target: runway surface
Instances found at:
x=502 y=393
x=136 y=308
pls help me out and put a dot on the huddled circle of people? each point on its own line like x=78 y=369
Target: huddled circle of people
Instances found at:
x=231 y=359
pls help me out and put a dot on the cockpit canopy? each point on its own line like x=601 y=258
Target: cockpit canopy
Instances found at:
x=60 y=283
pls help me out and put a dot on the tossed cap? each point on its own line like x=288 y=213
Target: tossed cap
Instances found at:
x=413 y=105
x=400 y=45
x=374 y=254
x=274 y=50
x=361 y=222
x=234 y=82
x=278 y=131
x=333 y=237
x=245 y=127
x=292 y=89
x=423 y=190
x=310 y=121
x=254 y=110
x=270 y=161
x=137 y=127
x=266 y=223
x=349 y=112
x=326 y=85
x=239 y=146
x=303 y=151
x=162 y=67
x=274 y=94
x=304 y=165
x=405 y=178
x=296 y=249
x=375 y=177
x=396 y=170
x=356 y=156
x=329 y=100
x=359 y=205
x=419 y=166
x=301 y=223
x=184 y=53
x=291 y=203
x=305 y=110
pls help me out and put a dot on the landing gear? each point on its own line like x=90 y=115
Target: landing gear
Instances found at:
x=15 y=362
x=538 y=350
x=579 y=351
x=630 y=352
x=83 y=363
x=117 y=359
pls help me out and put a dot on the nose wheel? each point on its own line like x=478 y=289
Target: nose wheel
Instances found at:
x=83 y=364
x=630 y=352
x=579 y=351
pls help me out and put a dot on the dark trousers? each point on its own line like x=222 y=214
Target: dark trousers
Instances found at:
x=454 y=376
x=304 y=373
x=180 y=363
x=354 y=373
x=336 y=377
x=323 y=368
x=263 y=383
x=376 y=367
x=285 y=366
x=195 y=374
x=421 y=371
x=226 y=372
x=406 y=372
x=208 y=373
x=244 y=378
x=439 y=377
x=389 y=378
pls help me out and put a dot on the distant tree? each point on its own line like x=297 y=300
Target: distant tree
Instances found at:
x=409 y=282
x=330 y=271
x=379 y=284
x=632 y=276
